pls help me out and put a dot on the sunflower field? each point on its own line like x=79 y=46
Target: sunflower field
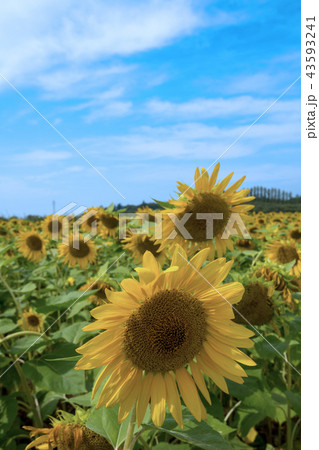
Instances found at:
x=148 y=341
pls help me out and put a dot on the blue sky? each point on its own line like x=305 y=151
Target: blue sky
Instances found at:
x=146 y=91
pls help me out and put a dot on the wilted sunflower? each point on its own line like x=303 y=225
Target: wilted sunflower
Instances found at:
x=32 y=321
x=52 y=226
x=99 y=298
x=256 y=305
x=67 y=433
x=158 y=329
x=78 y=252
x=283 y=252
x=31 y=245
x=206 y=197
x=91 y=223
x=108 y=224
x=138 y=244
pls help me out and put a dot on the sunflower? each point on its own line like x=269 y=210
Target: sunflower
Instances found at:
x=161 y=333
x=32 y=321
x=78 y=252
x=108 y=223
x=67 y=432
x=284 y=252
x=52 y=226
x=92 y=221
x=31 y=245
x=245 y=244
x=205 y=197
x=256 y=305
x=295 y=234
x=99 y=298
x=138 y=244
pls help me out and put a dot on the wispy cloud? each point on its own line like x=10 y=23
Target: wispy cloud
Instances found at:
x=39 y=157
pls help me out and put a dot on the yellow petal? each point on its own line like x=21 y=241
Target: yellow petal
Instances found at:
x=189 y=392
x=143 y=398
x=199 y=380
x=173 y=399
x=158 y=400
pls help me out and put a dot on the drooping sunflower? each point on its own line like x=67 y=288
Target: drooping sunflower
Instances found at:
x=99 y=298
x=52 y=226
x=256 y=305
x=283 y=252
x=31 y=245
x=161 y=333
x=108 y=224
x=32 y=321
x=206 y=197
x=138 y=244
x=67 y=432
x=77 y=252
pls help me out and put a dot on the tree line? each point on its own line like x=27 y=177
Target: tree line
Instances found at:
x=272 y=194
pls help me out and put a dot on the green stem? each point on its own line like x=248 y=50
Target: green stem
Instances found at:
x=130 y=429
x=36 y=414
x=289 y=440
x=14 y=298
x=20 y=333
x=31 y=400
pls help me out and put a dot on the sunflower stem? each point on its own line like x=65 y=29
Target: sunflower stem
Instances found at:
x=14 y=298
x=31 y=400
x=130 y=429
x=20 y=333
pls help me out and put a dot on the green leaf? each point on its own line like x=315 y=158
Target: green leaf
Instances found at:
x=28 y=287
x=164 y=205
x=250 y=421
x=200 y=434
x=8 y=412
x=104 y=422
x=7 y=325
x=268 y=349
x=62 y=302
x=261 y=402
x=295 y=401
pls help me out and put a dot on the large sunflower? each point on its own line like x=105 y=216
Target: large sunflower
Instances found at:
x=284 y=252
x=138 y=244
x=162 y=333
x=82 y=253
x=52 y=226
x=31 y=245
x=206 y=197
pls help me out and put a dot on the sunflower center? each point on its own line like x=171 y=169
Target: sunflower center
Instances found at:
x=205 y=202
x=166 y=332
x=34 y=243
x=295 y=234
x=33 y=320
x=80 y=252
x=91 y=219
x=147 y=244
x=54 y=226
x=109 y=221
x=286 y=253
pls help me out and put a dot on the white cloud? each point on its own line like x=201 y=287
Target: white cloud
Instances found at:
x=206 y=108
x=40 y=157
x=37 y=36
x=192 y=141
